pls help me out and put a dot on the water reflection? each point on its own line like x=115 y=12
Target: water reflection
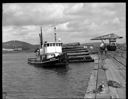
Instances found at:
x=62 y=70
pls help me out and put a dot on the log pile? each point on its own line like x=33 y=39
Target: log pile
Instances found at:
x=77 y=54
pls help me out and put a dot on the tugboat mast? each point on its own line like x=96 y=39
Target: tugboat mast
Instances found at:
x=55 y=33
x=41 y=43
x=41 y=39
x=55 y=37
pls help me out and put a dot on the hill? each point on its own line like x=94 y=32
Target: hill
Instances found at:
x=19 y=44
x=30 y=47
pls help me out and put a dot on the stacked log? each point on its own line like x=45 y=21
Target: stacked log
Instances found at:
x=77 y=54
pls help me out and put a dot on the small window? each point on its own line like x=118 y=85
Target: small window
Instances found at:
x=57 y=44
x=53 y=44
x=47 y=44
x=50 y=44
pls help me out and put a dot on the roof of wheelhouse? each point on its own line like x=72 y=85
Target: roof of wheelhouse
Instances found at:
x=51 y=42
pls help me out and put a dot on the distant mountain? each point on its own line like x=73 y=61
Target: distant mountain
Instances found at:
x=19 y=44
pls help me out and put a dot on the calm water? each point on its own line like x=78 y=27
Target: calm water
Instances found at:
x=24 y=81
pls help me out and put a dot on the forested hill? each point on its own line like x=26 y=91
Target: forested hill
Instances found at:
x=19 y=44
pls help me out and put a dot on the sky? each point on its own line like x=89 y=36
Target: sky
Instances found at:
x=75 y=22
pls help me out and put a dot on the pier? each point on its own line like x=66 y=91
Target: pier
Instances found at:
x=110 y=73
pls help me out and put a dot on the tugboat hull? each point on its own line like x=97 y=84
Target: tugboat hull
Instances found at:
x=55 y=61
x=47 y=63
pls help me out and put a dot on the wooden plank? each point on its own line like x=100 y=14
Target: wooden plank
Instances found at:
x=91 y=85
x=113 y=74
x=103 y=96
x=117 y=77
x=76 y=54
x=116 y=74
x=113 y=91
x=102 y=78
x=122 y=60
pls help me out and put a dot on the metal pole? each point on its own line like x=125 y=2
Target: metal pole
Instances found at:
x=55 y=37
x=55 y=33
x=41 y=43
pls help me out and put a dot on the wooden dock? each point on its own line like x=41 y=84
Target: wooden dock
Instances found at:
x=112 y=71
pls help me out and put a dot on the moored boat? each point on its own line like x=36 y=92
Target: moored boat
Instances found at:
x=50 y=54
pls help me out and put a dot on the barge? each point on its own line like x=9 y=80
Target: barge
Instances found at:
x=77 y=53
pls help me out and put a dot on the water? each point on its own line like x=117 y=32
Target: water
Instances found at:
x=23 y=81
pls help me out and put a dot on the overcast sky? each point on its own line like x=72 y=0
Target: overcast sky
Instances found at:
x=75 y=22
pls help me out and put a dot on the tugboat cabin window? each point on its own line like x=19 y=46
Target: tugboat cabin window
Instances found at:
x=44 y=45
x=47 y=44
x=57 y=44
x=51 y=44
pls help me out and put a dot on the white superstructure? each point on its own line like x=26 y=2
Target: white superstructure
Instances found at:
x=51 y=49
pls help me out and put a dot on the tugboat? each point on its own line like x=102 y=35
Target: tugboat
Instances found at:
x=49 y=54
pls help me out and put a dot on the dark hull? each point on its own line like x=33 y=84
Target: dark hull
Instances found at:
x=48 y=63
x=77 y=60
x=53 y=62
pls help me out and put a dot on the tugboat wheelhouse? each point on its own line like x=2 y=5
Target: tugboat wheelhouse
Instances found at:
x=49 y=53
x=51 y=48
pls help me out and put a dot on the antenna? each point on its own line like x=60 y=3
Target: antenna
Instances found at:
x=55 y=33
x=41 y=42
x=41 y=38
